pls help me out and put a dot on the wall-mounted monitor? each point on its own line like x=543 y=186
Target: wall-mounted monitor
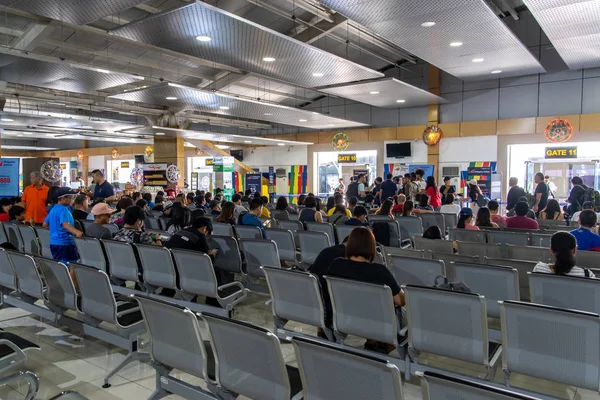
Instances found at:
x=398 y=150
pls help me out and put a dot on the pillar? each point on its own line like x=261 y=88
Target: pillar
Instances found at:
x=85 y=165
x=433 y=118
x=170 y=150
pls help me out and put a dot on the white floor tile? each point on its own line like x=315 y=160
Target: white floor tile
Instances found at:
x=121 y=389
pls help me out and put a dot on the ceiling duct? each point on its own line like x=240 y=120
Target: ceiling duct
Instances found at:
x=167 y=121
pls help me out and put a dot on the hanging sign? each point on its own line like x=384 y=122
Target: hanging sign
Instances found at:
x=253 y=182
x=561 y=152
x=124 y=164
x=347 y=158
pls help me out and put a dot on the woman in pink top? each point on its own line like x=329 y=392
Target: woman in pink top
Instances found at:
x=433 y=193
x=465 y=220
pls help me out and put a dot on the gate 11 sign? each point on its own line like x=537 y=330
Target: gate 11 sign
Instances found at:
x=561 y=152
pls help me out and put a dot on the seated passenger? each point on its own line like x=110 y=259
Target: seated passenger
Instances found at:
x=399 y=201
x=215 y=207
x=102 y=213
x=564 y=247
x=552 y=211
x=309 y=213
x=495 y=217
x=265 y=213
x=227 y=215
x=16 y=215
x=352 y=203
x=80 y=207
x=520 y=221
x=433 y=232
x=424 y=203
x=465 y=220
x=449 y=206
x=587 y=205
x=283 y=209
x=386 y=208
x=408 y=209
x=359 y=218
x=158 y=203
x=586 y=238
x=339 y=215
x=484 y=218
x=252 y=218
x=132 y=229
x=180 y=219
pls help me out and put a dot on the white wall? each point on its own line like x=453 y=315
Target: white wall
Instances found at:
x=418 y=153
x=276 y=156
x=96 y=162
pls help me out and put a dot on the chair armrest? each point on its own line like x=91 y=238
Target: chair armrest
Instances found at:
x=128 y=311
x=20 y=356
x=238 y=296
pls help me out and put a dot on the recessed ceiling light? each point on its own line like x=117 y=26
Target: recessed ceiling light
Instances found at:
x=160 y=134
x=280 y=144
x=477 y=60
x=27 y=133
x=428 y=24
x=267 y=114
x=6 y=120
x=104 y=71
x=224 y=108
x=302 y=120
x=456 y=44
x=374 y=92
x=497 y=71
x=171 y=98
x=314 y=112
x=86 y=127
x=247 y=141
x=318 y=74
x=203 y=38
x=269 y=59
x=400 y=101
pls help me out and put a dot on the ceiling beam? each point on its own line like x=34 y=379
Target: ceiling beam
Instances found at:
x=510 y=9
x=223 y=80
x=313 y=8
x=33 y=35
x=215 y=151
x=321 y=29
x=261 y=89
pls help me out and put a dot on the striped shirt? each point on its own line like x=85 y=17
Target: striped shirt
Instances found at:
x=575 y=271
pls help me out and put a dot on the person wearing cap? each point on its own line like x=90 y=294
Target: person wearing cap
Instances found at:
x=35 y=197
x=132 y=229
x=465 y=220
x=215 y=207
x=61 y=225
x=102 y=213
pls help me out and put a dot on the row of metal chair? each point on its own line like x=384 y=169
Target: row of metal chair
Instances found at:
x=524 y=238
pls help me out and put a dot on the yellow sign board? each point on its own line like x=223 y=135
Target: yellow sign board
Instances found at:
x=561 y=152
x=209 y=161
x=347 y=158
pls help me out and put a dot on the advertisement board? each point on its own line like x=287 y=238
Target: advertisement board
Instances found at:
x=9 y=177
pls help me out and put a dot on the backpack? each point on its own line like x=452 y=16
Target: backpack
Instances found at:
x=591 y=195
x=482 y=201
x=352 y=190
x=454 y=286
x=339 y=219
x=530 y=199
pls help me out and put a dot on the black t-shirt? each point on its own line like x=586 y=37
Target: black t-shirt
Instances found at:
x=388 y=188
x=576 y=197
x=325 y=258
x=542 y=188
x=186 y=242
x=79 y=214
x=365 y=272
x=159 y=207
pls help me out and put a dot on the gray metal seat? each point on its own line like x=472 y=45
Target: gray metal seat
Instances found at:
x=3 y=237
x=343 y=231
x=296 y=297
x=12 y=355
x=541 y=240
x=162 y=223
x=324 y=227
x=480 y=249
x=448 y=258
x=450 y=324
x=8 y=279
x=280 y=215
x=437 y=246
x=30 y=284
x=491 y=281
x=416 y=271
x=152 y=223
x=535 y=342
x=158 y=268
x=434 y=220
x=311 y=244
x=319 y=365
x=228 y=256
x=523 y=267
x=363 y=309
x=464 y=235
x=112 y=228
x=31 y=244
x=14 y=235
x=393 y=231
x=221 y=229
x=292 y=226
x=407 y=252
x=529 y=253
x=98 y=305
x=123 y=262
x=409 y=227
x=249 y=360
x=565 y=291
x=91 y=253
x=506 y=237
x=175 y=342
x=43 y=235
x=450 y=220
x=285 y=243
x=588 y=259
x=61 y=294
x=197 y=277
x=377 y=218
x=248 y=232
x=259 y=253
x=86 y=224
x=436 y=386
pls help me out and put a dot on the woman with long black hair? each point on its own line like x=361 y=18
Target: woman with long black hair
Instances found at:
x=564 y=247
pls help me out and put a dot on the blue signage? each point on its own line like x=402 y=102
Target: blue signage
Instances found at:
x=9 y=177
x=427 y=168
x=253 y=182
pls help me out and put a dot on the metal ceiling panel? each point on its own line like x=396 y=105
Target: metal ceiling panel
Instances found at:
x=470 y=22
x=386 y=92
x=225 y=137
x=573 y=27
x=59 y=76
x=243 y=44
x=78 y=12
x=182 y=97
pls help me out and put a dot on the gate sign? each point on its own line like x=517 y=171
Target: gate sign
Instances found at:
x=561 y=152
x=253 y=182
x=9 y=177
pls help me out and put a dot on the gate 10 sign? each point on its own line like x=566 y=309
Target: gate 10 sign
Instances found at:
x=561 y=152
x=346 y=158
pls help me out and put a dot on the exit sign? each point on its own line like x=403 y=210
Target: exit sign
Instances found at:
x=561 y=152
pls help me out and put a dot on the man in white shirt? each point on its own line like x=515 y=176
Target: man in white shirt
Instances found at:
x=420 y=182
x=451 y=208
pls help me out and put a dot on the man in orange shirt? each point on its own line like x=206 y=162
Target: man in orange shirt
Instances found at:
x=35 y=197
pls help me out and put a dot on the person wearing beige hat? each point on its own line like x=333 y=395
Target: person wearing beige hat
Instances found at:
x=474 y=194
x=102 y=213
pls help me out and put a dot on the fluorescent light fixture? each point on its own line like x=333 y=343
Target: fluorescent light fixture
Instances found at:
x=318 y=74
x=477 y=60
x=456 y=44
x=497 y=71
x=11 y=147
x=27 y=133
x=104 y=71
x=247 y=141
x=269 y=59
x=160 y=134
x=375 y=92
x=7 y=120
x=87 y=127
x=202 y=38
x=171 y=98
x=302 y=120
x=400 y=101
x=314 y=112
x=224 y=108
x=280 y=144
x=222 y=146
x=268 y=114
x=428 y=24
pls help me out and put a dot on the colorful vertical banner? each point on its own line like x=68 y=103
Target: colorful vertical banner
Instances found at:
x=298 y=179
x=482 y=173
x=470 y=173
x=9 y=177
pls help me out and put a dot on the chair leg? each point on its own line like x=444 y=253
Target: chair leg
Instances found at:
x=133 y=356
x=159 y=392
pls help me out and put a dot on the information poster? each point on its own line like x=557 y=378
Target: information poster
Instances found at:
x=253 y=182
x=9 y=177
x=483 y=176
x=429 y=169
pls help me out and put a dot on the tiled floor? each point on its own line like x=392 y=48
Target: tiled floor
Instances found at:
x=65 y=363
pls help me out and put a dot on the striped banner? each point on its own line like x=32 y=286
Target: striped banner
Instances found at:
x=298 y=180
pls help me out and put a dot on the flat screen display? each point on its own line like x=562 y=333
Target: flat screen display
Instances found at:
x=398 y=150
